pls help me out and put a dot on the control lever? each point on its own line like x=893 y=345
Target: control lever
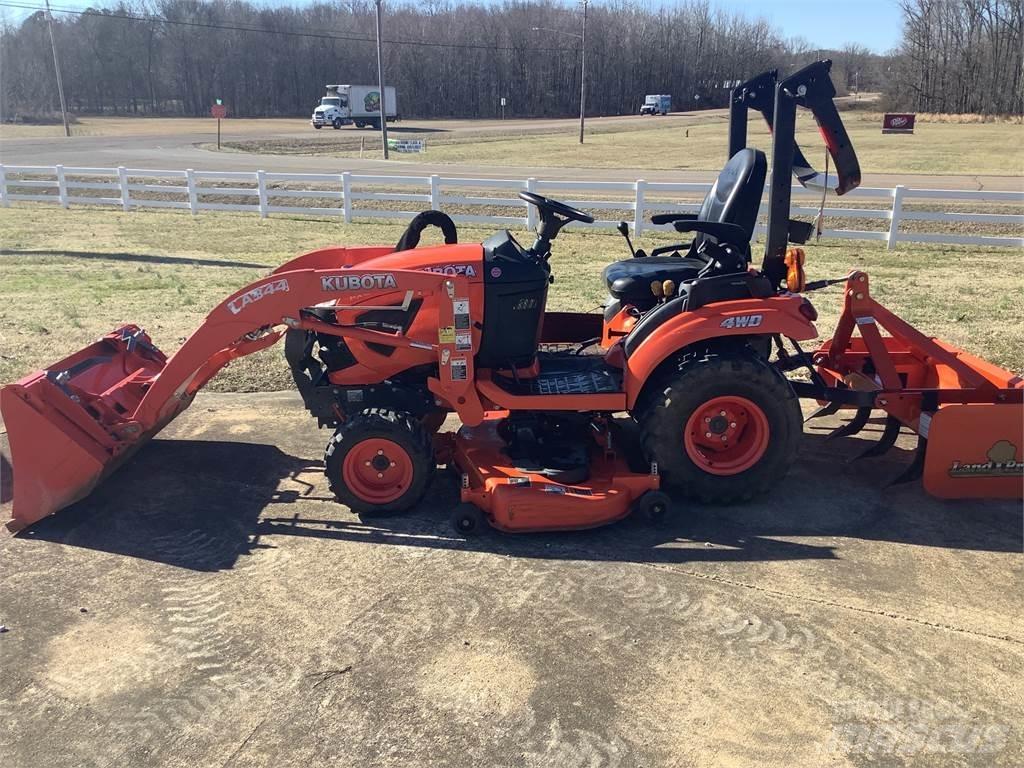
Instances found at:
x=623 y=229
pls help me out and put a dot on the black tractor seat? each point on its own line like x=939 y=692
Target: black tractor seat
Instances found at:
x=630 y=280
x=734 y=199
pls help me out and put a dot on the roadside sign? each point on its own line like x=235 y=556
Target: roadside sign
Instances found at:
x=218 y=111
x=898 y=122
x=503 y=101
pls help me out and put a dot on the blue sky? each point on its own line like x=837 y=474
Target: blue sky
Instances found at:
x=876 y=24
x=826 y=23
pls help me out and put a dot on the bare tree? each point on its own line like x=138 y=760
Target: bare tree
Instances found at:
x=960 y=56
x=446 y=57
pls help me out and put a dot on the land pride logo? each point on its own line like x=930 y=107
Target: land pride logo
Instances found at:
x=357 y=282
x=1002 y=462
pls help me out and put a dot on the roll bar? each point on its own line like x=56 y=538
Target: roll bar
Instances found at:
x=777 y=100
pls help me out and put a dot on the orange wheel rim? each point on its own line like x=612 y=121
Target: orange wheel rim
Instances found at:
x=378 y=471
x=726 y=435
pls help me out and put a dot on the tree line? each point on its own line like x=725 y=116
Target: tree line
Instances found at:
x=445 y=59
x=459 y=59
x=960 y=56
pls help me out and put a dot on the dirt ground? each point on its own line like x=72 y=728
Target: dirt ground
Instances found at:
x=210 y=605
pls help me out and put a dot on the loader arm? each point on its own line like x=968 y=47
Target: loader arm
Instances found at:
x=73 y=424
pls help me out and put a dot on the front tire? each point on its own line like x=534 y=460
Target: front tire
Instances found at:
x=337 y=124
x=379 y=461
x=723 y=426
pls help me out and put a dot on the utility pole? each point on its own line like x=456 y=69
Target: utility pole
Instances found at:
x=583 y=61
x=583 y=70
x=380 y=84
x=56 y=68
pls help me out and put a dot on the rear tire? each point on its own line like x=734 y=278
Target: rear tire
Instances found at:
x=379 y=461
x=723 y=426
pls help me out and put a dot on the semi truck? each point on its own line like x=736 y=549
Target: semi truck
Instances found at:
x=656 y=104
x=358 y=104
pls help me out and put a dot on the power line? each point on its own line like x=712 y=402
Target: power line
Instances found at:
x=285 y=32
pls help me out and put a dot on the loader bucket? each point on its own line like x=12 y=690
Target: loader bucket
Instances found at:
x=70 y=425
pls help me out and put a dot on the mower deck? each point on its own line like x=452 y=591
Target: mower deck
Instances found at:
x=516 y=499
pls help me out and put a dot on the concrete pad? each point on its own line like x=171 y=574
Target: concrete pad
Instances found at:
x=210 y=604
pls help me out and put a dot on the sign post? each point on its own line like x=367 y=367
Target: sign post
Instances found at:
x=502 y=107
x=218 y=111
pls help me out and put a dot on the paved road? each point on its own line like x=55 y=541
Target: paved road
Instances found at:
x=178 y=150
x=210 y=604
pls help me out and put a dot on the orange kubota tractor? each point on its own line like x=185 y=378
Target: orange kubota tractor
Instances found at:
x=694 y=346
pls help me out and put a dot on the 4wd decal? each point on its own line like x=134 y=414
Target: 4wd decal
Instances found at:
x=453 y=269
x=743 y=321
x=357 y=282
x=1002 y=462
x=236 y=305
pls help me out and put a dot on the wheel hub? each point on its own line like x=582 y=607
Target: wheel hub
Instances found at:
x=377 y=470
x=726 y=435
x=718 y=424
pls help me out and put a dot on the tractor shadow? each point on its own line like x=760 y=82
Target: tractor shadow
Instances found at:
x=202 y=505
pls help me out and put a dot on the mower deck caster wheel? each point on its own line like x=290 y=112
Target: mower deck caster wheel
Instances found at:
x=468 y=520
x=654 y=507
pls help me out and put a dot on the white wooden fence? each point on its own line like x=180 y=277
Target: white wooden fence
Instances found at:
x=266 y=193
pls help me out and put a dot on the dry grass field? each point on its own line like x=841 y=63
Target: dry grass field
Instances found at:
x=69 y=276
x=695 y=142
x=692 y=141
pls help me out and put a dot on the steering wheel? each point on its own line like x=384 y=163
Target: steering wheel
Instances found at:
x=548 y=206
x=553 y=216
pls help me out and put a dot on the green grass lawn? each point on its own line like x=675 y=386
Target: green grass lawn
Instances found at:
x=67 y=277
x=700 y=143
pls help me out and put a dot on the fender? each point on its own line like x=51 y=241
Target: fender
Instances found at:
x=744 y=317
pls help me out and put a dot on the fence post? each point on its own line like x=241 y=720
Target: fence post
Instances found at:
x=62 y=186
x=531 y=211
x=122 y=177
x=638 y=214
x=261 y=188
x=193 y=198
x=435 y=192
x=894 y=216
x=346 y=196
x=3 y=189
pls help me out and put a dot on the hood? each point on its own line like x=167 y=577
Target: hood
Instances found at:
x=462 y=259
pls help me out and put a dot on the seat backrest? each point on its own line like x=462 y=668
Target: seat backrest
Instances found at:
x=736 y=195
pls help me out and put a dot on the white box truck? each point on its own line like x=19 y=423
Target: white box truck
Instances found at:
x=359 y=104
x=656 y=104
